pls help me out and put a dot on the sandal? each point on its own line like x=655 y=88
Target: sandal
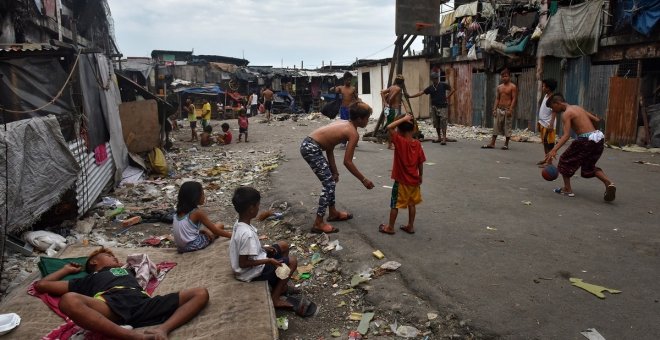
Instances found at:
x=506 y=147
x=487 y=146
x=292 y=290
x=325 y=230
x=381 y=228
x=407 y=229
x=343 y=216
x=302 y=306
x=610 y=193
x=562 y=192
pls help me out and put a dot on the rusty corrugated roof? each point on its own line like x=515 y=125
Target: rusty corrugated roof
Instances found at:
x=12 y=48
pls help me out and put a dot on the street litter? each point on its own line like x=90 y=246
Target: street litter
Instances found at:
x=335 y=333
x=504 y=177
x=345 y=291
x=354 y=335
x=378 y=254
x=432 y=316
x=363 y=326
x=45 y=241
x=592 y=334
x=360 y=278
x=390 y=265
x=334 y=245
x=526 y=202
x=355 y=316
x=592 y=288
x=490 y=228
x=283 y=271
x=282 y=323
x=387 y=187
x=407 y=331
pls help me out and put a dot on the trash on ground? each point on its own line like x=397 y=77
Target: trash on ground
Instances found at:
x=345 y=291
x=592 y=334
x=335 y=333
x=378 y=254
x=283 y=271
x=45 y=241
x=363 y=327
x=283 y=323
x=355 y=316
x=390 y=265
x=526 y=202
x=432 y=316
x=360 y=278
x=407 y=331
x=354 y=335
x=592 y=288
x=490 y=228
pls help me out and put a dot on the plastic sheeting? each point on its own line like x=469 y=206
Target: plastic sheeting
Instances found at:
x=572 y=32
x=641 y=15
x=40 y=169
x=97 y=131
x=471 y=10
x=28 y=83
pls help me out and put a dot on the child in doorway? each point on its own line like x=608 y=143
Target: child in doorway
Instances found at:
x=252 y=262
x=226 y=136
x=189 y=234
x=242 y=125
x=407 y=171
x=205 y=138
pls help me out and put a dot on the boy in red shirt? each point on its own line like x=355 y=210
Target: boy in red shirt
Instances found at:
x=407 y=171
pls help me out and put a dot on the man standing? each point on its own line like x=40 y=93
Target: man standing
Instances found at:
x=505 y=102
x=547 y=120
x=254 y=103
x=267 y=93
x=439 y=108
x=348 y=95
x=584 y=152
x=189 y=109
x=206 y=113
x=391 y=97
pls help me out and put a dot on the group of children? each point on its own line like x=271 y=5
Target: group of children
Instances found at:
x=206 y=138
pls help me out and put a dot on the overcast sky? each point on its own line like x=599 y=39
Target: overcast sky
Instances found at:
x=264 y=32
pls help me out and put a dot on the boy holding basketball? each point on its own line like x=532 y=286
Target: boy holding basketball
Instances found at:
x=584 y=152
x=407 y=171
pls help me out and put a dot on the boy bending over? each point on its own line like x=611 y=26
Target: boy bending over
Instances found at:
x=407 y=171
x=249 y=260
x=111 y=296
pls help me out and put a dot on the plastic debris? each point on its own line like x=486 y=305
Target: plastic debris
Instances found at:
x=592 y=334
x=335 y=333
x=432 y=316
x=490 y=228
x=363 y=327
x=345 y=291
x=354 y=335
x=407 y=331
x=390 y=265
x=131 y=221
x=283 y=271
x=316 y=258
x=378 y=254
x=355 y=316
x=526 y=202
x=282 y=323
x=359 y=278
x=592 y=288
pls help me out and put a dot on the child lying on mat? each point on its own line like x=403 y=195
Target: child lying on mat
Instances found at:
x=111 y=296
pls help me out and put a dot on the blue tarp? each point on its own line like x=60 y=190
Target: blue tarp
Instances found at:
x=208 y=90
x=641 y=15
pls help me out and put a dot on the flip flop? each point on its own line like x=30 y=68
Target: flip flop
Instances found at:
x=443 y=143
x=505 y=148
x=325 y=230
x=343 y=216
x=435 y=141
x=302 y=306
x=406 y=229
x=487 y=146
x=610 y=193
x=562 y=192
x=382 y=229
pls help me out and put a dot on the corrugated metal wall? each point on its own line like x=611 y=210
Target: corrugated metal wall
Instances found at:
x=460 y=104
x=478 y=98
x=621 y=124
x=527 y=103
x=599 y=85
x=576 y=79
x=92 y=178
x=493 y=79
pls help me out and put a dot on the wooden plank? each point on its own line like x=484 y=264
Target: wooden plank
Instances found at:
x=622 y=106
x=139 y=122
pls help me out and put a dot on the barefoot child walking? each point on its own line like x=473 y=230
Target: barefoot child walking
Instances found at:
x=193 y=230
x=407 y=171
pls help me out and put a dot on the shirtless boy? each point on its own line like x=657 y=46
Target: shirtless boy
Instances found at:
x=507 y=95
x=267 y=93
x=583 y=152
x=391 y=97
x=348 y=95
x=325 y=139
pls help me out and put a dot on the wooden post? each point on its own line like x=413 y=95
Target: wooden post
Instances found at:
x=398 y=63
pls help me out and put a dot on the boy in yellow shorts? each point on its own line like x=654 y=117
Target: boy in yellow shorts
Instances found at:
x=407 y=171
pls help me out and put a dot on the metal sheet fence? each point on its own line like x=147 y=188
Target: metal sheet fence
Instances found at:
x=527 y=103
x=92 y=178
x=478 y=98
x=621 y=124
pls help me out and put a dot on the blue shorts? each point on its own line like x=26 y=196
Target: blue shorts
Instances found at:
x=344 y=113
x=268 y=274
x=202 y=241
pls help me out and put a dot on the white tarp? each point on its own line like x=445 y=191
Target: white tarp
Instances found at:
x=39 y=169
x=573 y=31
x=470 y=9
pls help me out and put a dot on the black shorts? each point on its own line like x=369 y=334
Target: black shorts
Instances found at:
x=268 y=274
x=193 y=124
x=137 y=309
x=242 y=130
x=268 y=105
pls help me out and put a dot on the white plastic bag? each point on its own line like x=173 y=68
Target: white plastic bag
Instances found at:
x=472 y=54
x=45 y=241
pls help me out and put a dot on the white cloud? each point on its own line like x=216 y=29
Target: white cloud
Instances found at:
x=266 y=32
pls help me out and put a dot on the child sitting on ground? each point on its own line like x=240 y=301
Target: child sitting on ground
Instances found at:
x=189 y=234
x=407 y=171
x=111 y=296
x=249 y=260
x=205 y=137
x=226 y=136
x=243 y=123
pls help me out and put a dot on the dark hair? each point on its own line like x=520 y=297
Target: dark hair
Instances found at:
x=189 y=195
x=556 y=98
x=244 y=198
x=406 y=127
x=399 y=80
x=224 y=126
x=208 y=128
x=90 y=268
x=550 y=84
x=348 y=75
x=505 y=71
x=359 y=110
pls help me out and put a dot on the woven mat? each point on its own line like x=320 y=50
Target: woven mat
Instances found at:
x=235 y=308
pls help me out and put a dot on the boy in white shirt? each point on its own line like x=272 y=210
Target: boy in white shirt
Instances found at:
x=249 y=260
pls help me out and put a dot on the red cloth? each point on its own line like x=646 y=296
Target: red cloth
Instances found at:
x=100 y=154
x=408 y=155
x=68 y=329
x=228 y=137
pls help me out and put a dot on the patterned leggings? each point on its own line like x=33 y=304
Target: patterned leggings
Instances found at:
x=313 y=154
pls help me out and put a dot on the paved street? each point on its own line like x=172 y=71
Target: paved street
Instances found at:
x=482 y=253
